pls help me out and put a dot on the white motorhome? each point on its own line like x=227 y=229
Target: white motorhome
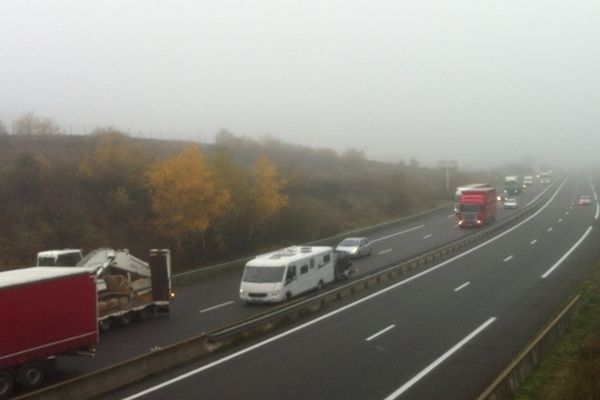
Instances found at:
x=285 y=273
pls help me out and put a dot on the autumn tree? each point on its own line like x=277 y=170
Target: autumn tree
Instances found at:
x=265 y=197
x=185 y=197
x=30 y=124
x=21 y=196
x=112 y=174
x=228 y=229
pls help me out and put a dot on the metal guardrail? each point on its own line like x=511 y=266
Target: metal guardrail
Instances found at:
x=209 y=272
x=386 y=273
x=101 y=382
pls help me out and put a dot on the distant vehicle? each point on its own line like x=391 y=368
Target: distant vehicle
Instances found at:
x=510 y=202
x=280 y=275
x=355 y=246
x=545 y=178
x=512 y=185
x=63 y=258
x=477 y=207
x=528 y=180
x=585 y=201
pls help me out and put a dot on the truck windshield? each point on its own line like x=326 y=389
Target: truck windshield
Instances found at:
x=263 y=274
x=469 y=208
x=46 y=262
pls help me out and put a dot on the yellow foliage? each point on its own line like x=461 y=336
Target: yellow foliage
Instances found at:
x=115 y=154
x=119 y=198
x=266 y=192
x=185 y=196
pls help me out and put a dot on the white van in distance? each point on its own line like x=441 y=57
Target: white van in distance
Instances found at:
x=283 y=274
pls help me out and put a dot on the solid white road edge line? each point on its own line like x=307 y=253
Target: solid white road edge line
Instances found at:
x=381 y=332
x=341 y=309
x=572 y=249
x=440 y=360
x=464 y=285
x=215 y=307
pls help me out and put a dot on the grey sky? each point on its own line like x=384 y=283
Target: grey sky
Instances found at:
x=435 y=80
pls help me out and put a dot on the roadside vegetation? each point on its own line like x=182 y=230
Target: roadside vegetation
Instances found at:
x=208 y=203
x=571 y=368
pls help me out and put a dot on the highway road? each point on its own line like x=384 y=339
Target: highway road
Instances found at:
x=443 y=332
x=204 y=306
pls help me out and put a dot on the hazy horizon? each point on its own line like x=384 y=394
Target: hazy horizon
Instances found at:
x=481 y=83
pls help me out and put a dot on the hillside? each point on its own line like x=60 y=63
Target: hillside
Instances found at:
x=91 y=191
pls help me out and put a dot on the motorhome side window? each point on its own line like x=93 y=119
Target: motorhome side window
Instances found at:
x=303 y=269
x=326 y=259
x=291 y=273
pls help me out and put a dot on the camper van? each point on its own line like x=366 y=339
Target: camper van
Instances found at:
x=285 y=273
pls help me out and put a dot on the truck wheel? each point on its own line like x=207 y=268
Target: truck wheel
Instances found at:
x=320 y=286
x=104 y=324
x=31 y=375
x=142 y=314
x=288 y=296
x=125 y=319
x=7 y=382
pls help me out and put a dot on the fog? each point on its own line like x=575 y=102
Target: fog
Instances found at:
x=479 y=82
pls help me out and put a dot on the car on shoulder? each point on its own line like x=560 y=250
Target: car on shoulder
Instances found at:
x=355 y=246
x=585 y=200
x=510 y=202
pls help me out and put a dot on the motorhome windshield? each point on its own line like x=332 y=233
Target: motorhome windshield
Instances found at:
x=469 y=207
x=263 y=274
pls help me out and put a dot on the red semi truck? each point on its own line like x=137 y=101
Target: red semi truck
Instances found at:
x=477 y=207
x=46 y=312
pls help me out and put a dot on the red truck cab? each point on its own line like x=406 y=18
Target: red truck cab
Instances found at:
x=477 y=207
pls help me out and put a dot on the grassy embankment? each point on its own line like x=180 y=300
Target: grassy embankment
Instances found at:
x=571 y=369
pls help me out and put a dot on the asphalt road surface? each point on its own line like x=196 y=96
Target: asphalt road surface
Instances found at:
x=445 y=331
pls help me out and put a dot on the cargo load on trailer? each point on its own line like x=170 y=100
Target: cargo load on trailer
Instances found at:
x=128 y=287
x=477 y=207
x=46 y=312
